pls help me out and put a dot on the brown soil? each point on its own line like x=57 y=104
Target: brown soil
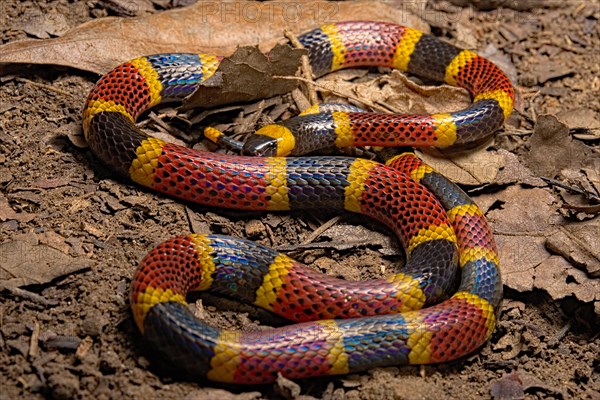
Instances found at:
x=73 y=337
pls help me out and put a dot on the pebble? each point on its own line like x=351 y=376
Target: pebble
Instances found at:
x=92 y=324
x=109 y=362
x=254 y=228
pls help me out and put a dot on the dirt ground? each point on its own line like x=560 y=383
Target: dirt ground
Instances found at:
x=69 y=333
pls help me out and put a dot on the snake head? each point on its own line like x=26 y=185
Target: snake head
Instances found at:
x=260 y=145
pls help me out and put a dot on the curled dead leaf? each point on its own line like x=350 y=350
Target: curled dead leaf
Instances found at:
x=207 y=26
x=249 y=75
x=560 y=279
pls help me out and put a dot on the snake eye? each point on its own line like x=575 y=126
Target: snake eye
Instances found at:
x=260 y=145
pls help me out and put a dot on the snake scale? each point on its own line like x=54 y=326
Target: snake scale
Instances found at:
x=341 y=326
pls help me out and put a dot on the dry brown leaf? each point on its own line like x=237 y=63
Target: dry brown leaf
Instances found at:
x=520 y=228
x=527 y=211
x=407 y=96
x=474 y=168
x=548 y=69
x=129 y=8
x=7 y=213
x=54 y=240
x=393 y=92
x=509 y=386
x=513 y=171
x=26 y=263
x=552 y=148
x=592 y=172
x=248 y=75
x=51 y=183
x=584 y=123
x=580 y=244
x=525 y=228
x=343 y=233
x=560 y=279
x=45 y=25
x=580 y=119
x=208 y=27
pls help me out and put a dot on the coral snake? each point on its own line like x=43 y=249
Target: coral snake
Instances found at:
x=342 y=326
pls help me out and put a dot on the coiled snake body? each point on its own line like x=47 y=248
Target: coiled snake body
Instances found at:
x=440 y=228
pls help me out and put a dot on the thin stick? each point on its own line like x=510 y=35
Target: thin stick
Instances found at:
x=44 y=86
x=321 y=229
x=570 y=188
x=306 y=68
x=337 y=93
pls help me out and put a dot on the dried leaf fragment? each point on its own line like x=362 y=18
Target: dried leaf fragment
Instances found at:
x=520 y=228
x=27 y=263
x=249 y=75
x=553 y=149
x=560 y=279
x=579 y=243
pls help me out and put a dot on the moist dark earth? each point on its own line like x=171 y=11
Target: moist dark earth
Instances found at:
x=70 y=334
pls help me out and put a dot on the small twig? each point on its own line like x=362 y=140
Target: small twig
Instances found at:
x=325 y=245
x=560 y=334
x=573 y=189
x=251 y=123
x=531 y=95
x=270 y=234
x=35 y=337
x=36 y=298
x=515 y=132
x=566 y=47
x=47 y=87
x=518 y=234
x=322 y=229
x=306 y=68
x=529 y=325
x=337 y=93
x=170 y=129
x=579 y=8
x=533 y=114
